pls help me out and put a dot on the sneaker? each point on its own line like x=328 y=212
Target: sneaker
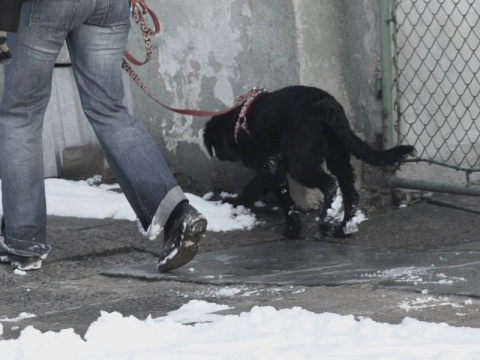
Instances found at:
x=22 y=259
x=182 y=232
x=20 y=262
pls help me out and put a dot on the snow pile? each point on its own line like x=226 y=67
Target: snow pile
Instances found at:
x=83 y=199
x=193 y=332
x=223 y=217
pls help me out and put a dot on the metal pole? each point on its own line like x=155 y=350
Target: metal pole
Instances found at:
x=386 y=62
x=458 y=189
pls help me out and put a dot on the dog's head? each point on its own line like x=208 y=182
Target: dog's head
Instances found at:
x=218 y=137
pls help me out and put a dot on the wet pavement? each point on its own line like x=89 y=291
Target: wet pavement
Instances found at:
x=445 y=271
x=421 y=261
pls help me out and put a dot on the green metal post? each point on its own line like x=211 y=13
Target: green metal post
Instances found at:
x=458 y=189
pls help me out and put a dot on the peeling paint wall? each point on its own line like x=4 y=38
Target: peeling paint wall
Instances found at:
x=210 y=51
x=339 y=51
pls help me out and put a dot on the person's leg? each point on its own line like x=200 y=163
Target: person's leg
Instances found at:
x=26 y=94
x=97 y=50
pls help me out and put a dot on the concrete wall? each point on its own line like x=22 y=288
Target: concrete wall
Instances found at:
x=210 y=51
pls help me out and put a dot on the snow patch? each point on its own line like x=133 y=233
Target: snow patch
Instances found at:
x=336 y=213
x=428 y=302
x=416 y=275
x=351 y=226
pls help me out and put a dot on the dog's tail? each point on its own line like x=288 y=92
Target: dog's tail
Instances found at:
x=336 y=121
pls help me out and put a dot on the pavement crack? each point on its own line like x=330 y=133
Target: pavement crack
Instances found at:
x=105 y=253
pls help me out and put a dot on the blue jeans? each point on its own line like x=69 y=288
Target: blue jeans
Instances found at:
x=96 y=34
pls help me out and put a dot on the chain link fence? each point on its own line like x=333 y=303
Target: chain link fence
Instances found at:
x=436 y=86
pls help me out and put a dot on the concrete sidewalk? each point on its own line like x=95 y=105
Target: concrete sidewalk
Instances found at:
x=422 y=261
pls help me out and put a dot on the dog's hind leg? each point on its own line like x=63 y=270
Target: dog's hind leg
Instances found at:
x=305 y=152
x=339 y=165
x=275 y=175
x=327 y=184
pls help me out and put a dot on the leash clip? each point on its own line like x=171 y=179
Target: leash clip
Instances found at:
x=137 y=8
x=139 y=4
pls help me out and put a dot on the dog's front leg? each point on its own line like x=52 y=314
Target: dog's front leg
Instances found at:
x=252 y=192
x=275 y=176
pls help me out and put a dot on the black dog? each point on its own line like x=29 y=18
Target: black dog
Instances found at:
x=294 y=130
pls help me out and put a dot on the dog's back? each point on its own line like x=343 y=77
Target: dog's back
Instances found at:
x=299 y=111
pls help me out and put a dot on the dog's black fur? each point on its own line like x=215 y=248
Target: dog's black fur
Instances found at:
x=294 y=130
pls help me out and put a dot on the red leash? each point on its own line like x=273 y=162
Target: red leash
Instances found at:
x=139 y=8
x=191 y=112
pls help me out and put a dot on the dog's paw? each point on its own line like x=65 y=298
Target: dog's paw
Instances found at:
x=324 y=231
x=338 y=231
x=292 y=229
x=291 y=234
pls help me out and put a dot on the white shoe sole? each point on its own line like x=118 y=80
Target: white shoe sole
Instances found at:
x=19 y=263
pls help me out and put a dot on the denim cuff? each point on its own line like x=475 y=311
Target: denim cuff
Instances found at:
x=174 y=197
x=24 y=248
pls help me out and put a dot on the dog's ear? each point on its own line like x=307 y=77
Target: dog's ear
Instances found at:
x=207 y=140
